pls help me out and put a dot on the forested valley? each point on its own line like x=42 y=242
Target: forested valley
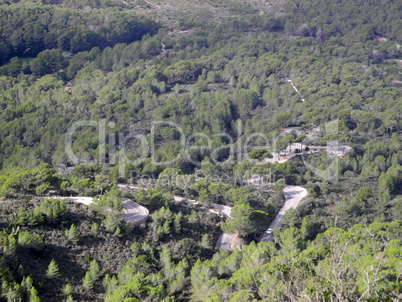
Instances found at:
x=137 y=136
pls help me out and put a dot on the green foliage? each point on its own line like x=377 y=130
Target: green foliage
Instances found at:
x=168 y=178
x=24 y=217
x=193 y=218
x=29 y=241
x=40 y=28
x=259 y=154
x=279 y=185
x=73 y=234
x=110 y=202
x=88 y=281
x=101 y=182
x=398 y=209
x=42 y=189
x=151 y=198
x=221 y=70
x=241 y=221
x=9 y=245
x=177 y=223
x=47 y=61
x=95 y=228
x=33 y=295
x=309 y=270
x=52 y=270
x=206 y=242
x=67 y=290
x=110 y=223
x=94 y=270
x=324 y=187
x=36 y=180
x=53 y=209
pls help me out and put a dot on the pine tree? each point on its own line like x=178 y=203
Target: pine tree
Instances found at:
x=35 y=217
x=324 y=187
x=67 y=290
x=69 y=299
x=95 y=229
x=193 y=218
x=13 y=293
x=27 y=240
x=88 y=281
x=53 y=209
x=94 y=270
x=27 y=283
x=177 y=224
x=52 y=270
x=9 y=245
x=110 y=223
x=206 y=242
x=166 y=227
x=33 y=295
x=73 y=234
x=135 y=248
x=105 y=281
x=165 y=256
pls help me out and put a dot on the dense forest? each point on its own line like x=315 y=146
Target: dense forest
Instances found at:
x=96 y=98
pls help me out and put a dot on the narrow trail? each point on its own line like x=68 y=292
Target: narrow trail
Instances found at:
x=163 y=50
x=295 y=89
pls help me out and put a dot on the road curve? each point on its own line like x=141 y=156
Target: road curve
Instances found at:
x=133 y=211
x=225 y=210
x=293 y=196
x=225 y=239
